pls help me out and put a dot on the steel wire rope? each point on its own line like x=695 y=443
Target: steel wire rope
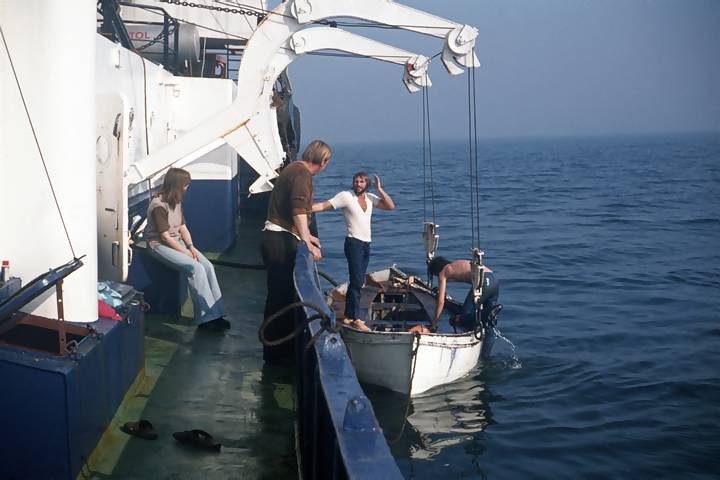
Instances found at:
x=424 y=154
x=319 y=54
x=470 y=164
x=429 y=142
x=37 y=142
x=362 y=24
x=477 y=167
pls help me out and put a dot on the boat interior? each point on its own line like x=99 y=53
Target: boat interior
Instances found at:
x=393 y=301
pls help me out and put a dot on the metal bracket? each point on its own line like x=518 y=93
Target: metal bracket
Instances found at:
x=430 y=239
x=358 y=416
x=477 y=271
x=62 y=339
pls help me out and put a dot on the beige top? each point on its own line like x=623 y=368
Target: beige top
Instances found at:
x=161 y=218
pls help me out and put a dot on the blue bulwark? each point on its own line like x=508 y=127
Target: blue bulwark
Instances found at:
x=339 y=436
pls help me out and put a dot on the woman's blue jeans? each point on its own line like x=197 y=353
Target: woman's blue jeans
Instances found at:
x=357 y=253
x=204 y=288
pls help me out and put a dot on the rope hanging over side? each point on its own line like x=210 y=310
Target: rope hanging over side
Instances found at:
x=37 y=142
x=413 y=354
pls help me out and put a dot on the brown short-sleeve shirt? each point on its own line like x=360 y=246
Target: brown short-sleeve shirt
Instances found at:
x=292 y=195
x=161 y=218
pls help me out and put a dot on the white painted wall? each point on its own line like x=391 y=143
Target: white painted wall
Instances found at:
x=53 y=49
x=153 y=108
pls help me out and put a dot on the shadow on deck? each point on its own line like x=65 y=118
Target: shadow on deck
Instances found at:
x=216 y=382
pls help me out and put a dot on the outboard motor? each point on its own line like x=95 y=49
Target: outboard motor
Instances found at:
x=485 y=314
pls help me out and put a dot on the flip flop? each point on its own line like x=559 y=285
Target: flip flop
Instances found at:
x=142 y=429
x=198 y=438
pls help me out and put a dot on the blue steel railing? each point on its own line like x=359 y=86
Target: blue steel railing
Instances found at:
x=338 y=434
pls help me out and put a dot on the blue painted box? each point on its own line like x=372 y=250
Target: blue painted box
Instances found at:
x=54 y=407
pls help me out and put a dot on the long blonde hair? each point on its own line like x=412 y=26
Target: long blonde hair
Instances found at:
x=317 y=153
x=173 y=187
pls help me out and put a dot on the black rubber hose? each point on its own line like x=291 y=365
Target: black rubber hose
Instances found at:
x=245 y=266
x=327 y=277
x=325 y=322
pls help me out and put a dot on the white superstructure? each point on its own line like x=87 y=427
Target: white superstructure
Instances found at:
x=110 y=122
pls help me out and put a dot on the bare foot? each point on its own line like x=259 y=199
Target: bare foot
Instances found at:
x=360 y=325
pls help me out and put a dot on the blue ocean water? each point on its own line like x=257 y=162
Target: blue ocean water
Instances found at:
x=608 y=252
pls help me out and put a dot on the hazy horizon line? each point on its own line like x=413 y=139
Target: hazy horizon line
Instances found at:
x=486 y=138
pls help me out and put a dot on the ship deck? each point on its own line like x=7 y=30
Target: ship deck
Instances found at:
x=215 y=382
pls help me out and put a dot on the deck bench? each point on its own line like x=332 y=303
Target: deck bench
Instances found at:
x=165 y=289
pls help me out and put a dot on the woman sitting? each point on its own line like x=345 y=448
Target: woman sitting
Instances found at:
x=170 y=242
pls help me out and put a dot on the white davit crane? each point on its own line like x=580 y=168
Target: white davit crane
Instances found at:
x=288 y=31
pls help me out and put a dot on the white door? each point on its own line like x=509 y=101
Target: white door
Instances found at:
x=114 y=254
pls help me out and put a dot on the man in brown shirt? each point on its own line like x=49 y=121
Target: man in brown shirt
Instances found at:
x=287 y=224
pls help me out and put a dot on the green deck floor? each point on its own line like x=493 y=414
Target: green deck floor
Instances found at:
x=211 y=381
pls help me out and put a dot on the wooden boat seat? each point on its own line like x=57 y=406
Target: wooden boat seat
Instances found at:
x=408 y=307
x=337 y=296
x=372 y=283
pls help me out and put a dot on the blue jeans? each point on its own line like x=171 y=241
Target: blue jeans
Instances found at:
x=488 y=299
x=357 y=253
x=204 y=288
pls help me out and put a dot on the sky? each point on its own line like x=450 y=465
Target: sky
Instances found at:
x=548 y=68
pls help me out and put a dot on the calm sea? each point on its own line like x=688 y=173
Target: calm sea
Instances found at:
x=608 y=252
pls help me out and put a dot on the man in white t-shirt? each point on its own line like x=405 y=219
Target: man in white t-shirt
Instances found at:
x=357 y=206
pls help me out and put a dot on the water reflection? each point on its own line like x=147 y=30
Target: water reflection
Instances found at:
x=446 y=416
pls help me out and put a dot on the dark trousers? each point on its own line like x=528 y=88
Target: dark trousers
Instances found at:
x=488 y=299
x=278 y=251
x=357 y=253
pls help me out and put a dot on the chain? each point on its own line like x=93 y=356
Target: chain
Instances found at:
x=171 y=30
x=219 y=9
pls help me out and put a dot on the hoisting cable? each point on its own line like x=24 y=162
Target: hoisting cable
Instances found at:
x=37 y=143
x=424 y=155
x=470 y=163
x=475 y=150
x=429 y=143
x=473 y=163
x=289 y=50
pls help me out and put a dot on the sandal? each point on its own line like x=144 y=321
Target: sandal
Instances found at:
x=198 y=438
x=142 y=429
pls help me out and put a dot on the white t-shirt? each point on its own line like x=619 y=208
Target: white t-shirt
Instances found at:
x=357 y=221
